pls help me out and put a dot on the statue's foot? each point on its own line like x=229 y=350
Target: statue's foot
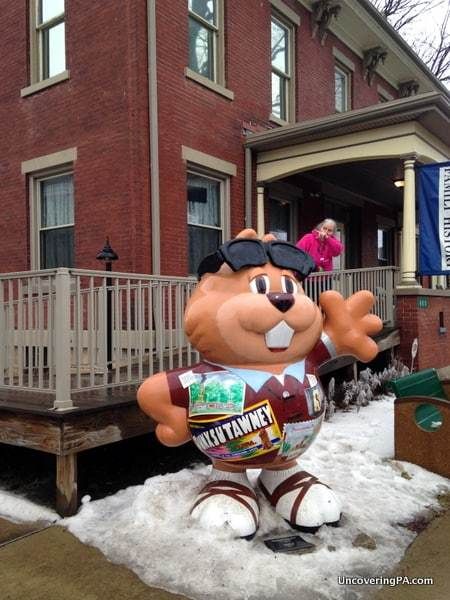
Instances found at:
x=300 y=498
x=228 y=501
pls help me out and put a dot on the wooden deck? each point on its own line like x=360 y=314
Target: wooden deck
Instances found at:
x=101 y=417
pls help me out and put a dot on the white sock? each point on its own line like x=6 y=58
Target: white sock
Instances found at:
x=237 y=477
x=271 y=479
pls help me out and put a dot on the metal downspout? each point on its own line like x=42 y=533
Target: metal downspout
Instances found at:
x=248 y=188
x=154 y=136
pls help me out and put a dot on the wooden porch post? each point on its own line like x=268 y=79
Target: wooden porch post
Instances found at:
x=408 y=257
x=66 y=484
x=260 y=212
x=61 y=340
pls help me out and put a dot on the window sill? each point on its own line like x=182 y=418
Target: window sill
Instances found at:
x=278 y=121
x=212 y=85
x=40 y=85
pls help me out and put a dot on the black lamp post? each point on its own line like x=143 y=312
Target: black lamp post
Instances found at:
x=107 y=255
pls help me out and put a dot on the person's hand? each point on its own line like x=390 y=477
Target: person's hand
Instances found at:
x=322 y=235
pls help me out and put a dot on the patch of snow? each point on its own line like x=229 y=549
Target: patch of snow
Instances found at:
x=148 y=528
x=20 y=510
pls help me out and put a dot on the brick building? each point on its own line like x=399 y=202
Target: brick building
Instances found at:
x=171 y=130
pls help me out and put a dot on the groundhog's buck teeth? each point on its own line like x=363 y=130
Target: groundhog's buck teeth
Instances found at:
x=280 y=336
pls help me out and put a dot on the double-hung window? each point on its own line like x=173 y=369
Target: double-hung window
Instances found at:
x=55 y=220
x=282 y=59
x=204 y=42
x=205 y=198
x=47 y=44
x=342 y=88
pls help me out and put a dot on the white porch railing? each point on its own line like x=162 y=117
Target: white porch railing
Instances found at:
x=381 y=281
x=63 y=331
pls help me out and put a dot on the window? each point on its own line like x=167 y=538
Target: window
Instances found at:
x=47 y=45
x=280 y=218
x=281 y=57
x=342 y=88
x=51 y=33
x=55 y=220
x=385 y=246
x=204 y=38
x=205 y=198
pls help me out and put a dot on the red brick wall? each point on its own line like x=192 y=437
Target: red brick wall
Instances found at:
x=423 y=323
x=102 y=110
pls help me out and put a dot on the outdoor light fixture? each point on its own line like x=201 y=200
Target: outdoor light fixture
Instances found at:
x=107 y=255
x=399 y=183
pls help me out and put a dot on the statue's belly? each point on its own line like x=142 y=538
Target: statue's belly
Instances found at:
x=270 y=428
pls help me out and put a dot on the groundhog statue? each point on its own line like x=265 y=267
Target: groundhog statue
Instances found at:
x=254 y=401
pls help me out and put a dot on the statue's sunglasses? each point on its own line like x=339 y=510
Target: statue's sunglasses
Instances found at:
x=240 y=253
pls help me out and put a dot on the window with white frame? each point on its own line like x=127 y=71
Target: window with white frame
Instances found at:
x=205 y=216
x=47 y=44
x=54 y=214
x=205 y=38
x=342 y=88
x=281 y=58
x=385 y=246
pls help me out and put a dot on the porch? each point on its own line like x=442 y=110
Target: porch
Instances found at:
x=75 y=344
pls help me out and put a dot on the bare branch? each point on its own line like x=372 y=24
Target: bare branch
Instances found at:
x=435 y=50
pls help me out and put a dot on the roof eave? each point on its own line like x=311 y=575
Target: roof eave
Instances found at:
x=395 y=111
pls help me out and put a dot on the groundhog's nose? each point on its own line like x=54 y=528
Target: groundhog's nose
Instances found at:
x=281 y=301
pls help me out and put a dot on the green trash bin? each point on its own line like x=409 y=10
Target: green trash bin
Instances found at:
x=422 y=383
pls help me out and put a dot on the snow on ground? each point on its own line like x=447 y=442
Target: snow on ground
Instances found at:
x=16 y=508
x=148 y=529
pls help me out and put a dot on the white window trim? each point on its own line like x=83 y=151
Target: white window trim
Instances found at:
x=218 y=47
x=207 y=161
x=338 y=67
x=384 y=93
x=215 y=87
x=49 y=161
x=37 y=169
x=289 y=24
x=40 y=85
x=287 y=12
x=343 y=60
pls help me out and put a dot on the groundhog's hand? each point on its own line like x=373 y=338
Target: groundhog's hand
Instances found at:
x=348 y=323
x=154 y=399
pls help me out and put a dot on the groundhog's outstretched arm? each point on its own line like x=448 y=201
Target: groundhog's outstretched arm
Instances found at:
x=154 y=399
x=349 y=324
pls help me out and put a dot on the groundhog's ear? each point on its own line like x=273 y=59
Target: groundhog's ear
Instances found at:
x=248 y=234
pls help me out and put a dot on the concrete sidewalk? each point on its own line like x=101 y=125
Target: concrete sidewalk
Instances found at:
x=53 y=565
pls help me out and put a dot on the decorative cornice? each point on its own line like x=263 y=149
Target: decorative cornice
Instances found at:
x=408 y=88
x=322 y=13
x=371 y=60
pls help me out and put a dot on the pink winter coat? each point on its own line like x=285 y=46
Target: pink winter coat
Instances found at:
x=322 y=251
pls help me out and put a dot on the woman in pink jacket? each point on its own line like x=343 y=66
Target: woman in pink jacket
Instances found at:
x=322 y=245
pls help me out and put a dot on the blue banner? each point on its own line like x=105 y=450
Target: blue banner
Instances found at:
x=434 y=213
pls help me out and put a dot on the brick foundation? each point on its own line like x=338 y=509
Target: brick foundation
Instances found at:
x=418 y=316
